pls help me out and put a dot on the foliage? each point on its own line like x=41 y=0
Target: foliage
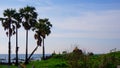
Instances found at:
x=85 y=61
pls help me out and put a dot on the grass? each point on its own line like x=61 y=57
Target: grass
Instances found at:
x=110 y=60
x=54 y=62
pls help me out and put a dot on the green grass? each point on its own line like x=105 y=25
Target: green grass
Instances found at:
x=6 y=66
x=110 y=60
x=54 y=62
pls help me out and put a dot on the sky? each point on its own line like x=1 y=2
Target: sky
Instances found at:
x=91 y=25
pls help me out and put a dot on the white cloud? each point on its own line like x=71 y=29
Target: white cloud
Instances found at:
x=96 y=35
x=95 y=24
x=91 y=21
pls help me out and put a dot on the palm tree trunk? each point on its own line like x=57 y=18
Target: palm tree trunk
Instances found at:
x=43 y=50
x=16 y=46
x=9 y=46
x=9 y=51
x=26 y=56
x=32 y=52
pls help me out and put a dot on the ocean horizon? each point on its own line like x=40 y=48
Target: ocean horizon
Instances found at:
x=4 y=57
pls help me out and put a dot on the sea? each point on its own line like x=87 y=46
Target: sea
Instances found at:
x=4 y=57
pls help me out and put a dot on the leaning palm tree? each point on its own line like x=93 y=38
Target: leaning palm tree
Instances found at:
x=37 y=36
x=7 y=23
x=29 y=19
x=42 y=28
x=17 y=20
x=45 y=31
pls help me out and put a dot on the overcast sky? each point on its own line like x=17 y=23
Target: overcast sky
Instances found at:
x=92 y=25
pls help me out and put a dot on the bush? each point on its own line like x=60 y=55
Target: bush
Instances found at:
x=63 y=64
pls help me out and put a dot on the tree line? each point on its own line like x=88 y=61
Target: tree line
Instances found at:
x=26 y=17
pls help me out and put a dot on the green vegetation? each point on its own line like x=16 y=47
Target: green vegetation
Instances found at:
x=77 y=59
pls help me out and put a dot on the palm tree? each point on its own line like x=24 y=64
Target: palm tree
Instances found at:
x=38 y=38
x=42 y=28
x=7 y=23
x=29 y=19
x=17 y=20
x=45 y=30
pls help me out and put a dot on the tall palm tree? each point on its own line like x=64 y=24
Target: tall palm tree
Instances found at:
x=45 y=31
x=29 y=19
x=7 y=23
x=17 y=20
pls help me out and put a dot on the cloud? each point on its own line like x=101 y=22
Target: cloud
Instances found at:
x=95 y=35
x=91 y=21
x=104 y=24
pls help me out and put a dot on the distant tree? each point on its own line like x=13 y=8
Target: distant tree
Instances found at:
x=53 y=53
x=78 y=51
x=90 y=53
x=29 y=19
x=64 y=52
x=74 y=57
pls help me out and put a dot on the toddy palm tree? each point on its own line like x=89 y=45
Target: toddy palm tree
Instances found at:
x=37 y=28
x=39 y=40
x=45 y=30
x=17 y=20
x=7 y=23
x=29 y=19
x=42 y=28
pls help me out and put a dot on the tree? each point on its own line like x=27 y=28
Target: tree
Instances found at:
x=17 y=20
x=38 y=38
x=45 y=27
x=7 y=23
x=29 y=19
x=42 y=28
x=77 y=51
